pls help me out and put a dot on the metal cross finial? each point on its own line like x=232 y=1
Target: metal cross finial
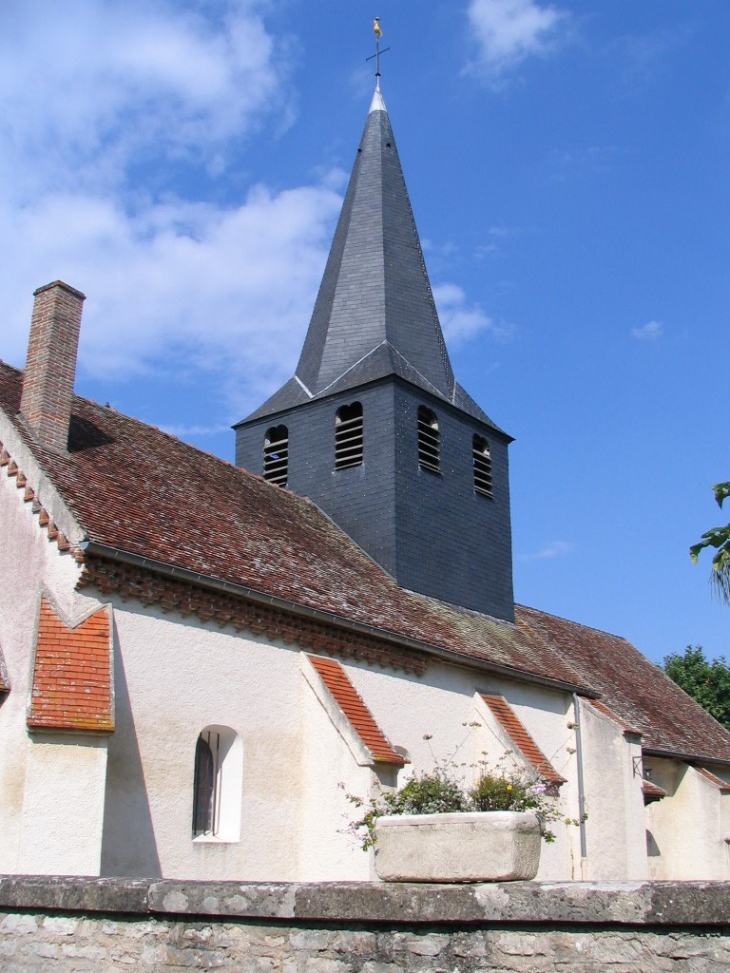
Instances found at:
x=378 y=52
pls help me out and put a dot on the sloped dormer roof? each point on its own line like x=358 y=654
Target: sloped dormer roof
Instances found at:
x=375 y=314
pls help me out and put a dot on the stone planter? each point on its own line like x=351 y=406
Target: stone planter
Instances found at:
x=489 y=846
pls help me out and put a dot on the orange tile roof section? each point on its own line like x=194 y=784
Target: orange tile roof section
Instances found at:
x=717 y=781
x=72 y=680
x=522 y=739
x=350 y=702
x=653 y=790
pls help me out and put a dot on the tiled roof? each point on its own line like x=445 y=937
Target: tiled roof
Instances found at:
x=607 y=711
x=522 y=739
x=652 y=791
x=723 y=785
x=635 y=690
x=72 y=687
x=350 y=702
x=134 y=488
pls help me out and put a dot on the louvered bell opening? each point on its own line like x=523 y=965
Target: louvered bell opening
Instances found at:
x=276 y=455
x=428 y=440
x=348 y=436
x=482 y=462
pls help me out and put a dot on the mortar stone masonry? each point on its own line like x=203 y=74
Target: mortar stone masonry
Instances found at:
x=70 y=925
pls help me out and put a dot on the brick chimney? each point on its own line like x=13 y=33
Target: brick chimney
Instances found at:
x=50 y=367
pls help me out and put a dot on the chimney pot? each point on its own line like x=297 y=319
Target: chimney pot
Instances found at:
x=48 y=382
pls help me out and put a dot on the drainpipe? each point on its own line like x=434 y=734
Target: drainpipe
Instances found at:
x=581 y=790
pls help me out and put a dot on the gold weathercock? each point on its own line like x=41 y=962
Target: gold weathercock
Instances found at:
x=378 y=34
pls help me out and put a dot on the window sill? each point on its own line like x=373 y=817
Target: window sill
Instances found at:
x=211 y=839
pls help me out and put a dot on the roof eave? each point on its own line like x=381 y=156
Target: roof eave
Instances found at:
x=251 y=594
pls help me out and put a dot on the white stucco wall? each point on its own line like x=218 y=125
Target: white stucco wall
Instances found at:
x=615 y=829
x=31 y=565
x=334 y=765
x=175 y=676
x=688 y=827
x=442 y=704
x=63 y=805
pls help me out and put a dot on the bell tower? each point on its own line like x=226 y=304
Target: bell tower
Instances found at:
x=373 y=427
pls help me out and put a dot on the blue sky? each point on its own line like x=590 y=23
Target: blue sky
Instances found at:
x=183 y=164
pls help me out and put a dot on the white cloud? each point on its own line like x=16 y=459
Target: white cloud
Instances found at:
x=114 y=115
x=90 y=88
x=649 y=331
x=556 y=549
x=178 y=281
x=461 y=322
x=507 y=31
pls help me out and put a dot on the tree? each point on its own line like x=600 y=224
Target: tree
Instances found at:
x=719 y=539
x=708 y=683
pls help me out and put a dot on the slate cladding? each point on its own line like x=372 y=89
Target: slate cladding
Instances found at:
x=375 y=338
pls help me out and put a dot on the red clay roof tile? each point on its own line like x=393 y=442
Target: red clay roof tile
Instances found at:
x=72 y=687
x=723 y=785
x=350 y=702
x=638 y=692
x=607 y=711
x=521 y=738
x=652 y=790
x=136 y=489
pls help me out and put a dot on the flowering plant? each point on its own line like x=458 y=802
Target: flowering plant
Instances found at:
x=442 y=790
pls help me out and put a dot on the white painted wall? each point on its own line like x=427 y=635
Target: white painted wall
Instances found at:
x=615 y=831
x=43 y=782
x=688 y=827
x=63 y=807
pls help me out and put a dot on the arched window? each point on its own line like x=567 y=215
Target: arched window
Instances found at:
x=348 y=436
x=276 y=455
x=217 y=783
x=482 y=463
x=428 y=440
x=204 y=786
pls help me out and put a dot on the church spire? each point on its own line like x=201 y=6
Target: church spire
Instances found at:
x=375 y=314
x=373 y=426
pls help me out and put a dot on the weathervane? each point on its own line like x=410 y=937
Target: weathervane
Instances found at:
x=378 y=52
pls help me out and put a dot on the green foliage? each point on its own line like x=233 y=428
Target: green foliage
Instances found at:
x=708 y=683
x=442 y=790
x=717 y=538
x=434 y=793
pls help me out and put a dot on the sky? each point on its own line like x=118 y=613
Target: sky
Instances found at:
x=183 y=164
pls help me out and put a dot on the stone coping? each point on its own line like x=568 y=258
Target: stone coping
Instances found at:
x=568 y=903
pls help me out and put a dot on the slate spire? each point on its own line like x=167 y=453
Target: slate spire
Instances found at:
x=375 y=314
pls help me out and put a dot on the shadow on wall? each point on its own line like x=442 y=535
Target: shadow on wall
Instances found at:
x=652 y=848
x=128 y=842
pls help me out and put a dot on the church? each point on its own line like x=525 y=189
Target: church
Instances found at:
x=200 y=661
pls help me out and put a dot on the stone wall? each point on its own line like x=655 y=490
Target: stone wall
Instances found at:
x=69 y=925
